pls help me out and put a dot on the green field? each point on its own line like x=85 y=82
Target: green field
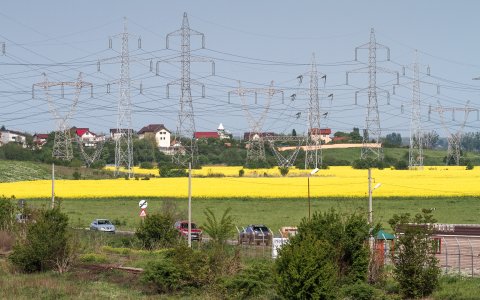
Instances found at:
x=274 y=213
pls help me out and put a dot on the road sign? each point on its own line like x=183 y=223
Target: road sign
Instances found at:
x=143 y=213
x=143 y=204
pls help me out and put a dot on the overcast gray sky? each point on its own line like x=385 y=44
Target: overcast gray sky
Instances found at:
x=254 y=42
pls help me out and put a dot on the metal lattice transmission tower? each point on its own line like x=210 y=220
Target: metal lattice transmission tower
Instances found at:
x=415 y=154
x=62 y=146
x=313 y=149
x=256 y=138
x=123 y=139
x=454 y=138
x=371 y=147
x=185 y=147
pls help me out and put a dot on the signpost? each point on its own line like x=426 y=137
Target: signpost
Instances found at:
x=143 y=205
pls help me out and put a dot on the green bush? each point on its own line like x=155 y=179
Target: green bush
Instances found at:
x=93 y=258
x=181 y=268
x=359 y=291
x=7 y=214
x=241 y=172
x=157 y=231
x=46 y=243
x=469 y=166
x=416 y=267
x=253 y=282
x=401 y=165
x=76 y=175
x=146 y=165
x=306 y=269
x=283 y=171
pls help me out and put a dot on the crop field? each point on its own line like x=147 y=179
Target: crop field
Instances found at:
x=265 y=183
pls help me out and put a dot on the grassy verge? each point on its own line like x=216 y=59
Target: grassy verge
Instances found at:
x=274 y=213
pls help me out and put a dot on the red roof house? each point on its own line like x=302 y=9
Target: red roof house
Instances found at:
x=206 y=135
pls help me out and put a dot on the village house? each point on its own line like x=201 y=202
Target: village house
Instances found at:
x=221 y=133
x=115 y=133
x=159 y=133
x=87 y=137
x=9 y=136
x=256 y=135
x=322 y=134
x=39 y=139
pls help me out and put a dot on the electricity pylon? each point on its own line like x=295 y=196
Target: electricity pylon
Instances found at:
x=185 y=147
x=123 y=141
x=454 y=138
x=415 y=153
x=256 y=138
x=62 y=146
x=313 y=149
x=372 y=131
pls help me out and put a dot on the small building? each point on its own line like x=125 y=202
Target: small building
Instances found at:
x=115 y=133
x=87 y=137
x=206 y=135
x=322 y=134
x=256 y=135
x=222 y=133
x=158 y=132
x=11 y=136
x=40 y=139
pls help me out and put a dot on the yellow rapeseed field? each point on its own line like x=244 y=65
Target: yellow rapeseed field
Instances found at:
x=334 y=182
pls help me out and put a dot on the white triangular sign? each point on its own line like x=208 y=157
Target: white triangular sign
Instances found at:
x=143 y=213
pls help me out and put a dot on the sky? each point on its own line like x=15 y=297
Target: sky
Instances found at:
x=252 y=44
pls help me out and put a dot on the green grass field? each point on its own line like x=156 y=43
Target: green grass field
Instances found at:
x=274 y=213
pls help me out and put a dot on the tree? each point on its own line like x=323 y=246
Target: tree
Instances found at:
x=46 y=243
x=219 y=230
x=157 y=230
x=416 y=267
x=430 y=139
x=294 y=132
x=328 y=251
x=393 y=140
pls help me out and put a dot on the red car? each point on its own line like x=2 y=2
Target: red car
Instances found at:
x=182 y=227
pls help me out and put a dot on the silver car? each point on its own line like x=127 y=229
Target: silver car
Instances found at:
x=102 y=225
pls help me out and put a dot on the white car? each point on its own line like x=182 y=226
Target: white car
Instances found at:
x=102 y=225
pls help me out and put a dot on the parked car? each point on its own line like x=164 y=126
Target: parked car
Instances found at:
x=255 y=234
x=182 y=227
x=102 y=225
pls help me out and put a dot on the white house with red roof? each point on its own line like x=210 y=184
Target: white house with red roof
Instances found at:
x=87 y=137
x=322 y=134
x=40 y=139
x=221 y=133
x=158 y=132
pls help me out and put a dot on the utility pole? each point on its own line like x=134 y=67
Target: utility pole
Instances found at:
x=372 y=131
x=62 y=146
x=123 y=142
x=185 y=146
x=53 y=185
x=189 y=204
x=256 y=138
x=415 y=154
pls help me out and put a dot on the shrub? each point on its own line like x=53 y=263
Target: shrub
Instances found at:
x=46 y=243
x=146 y=165
x=6 y=241
x=219 y=230
x=416 y=267
x=359 y=291
x=469 y=166
x=7 y=214
x=182 y=267
x=157 y=231
x=76 y=175
x=252 y=282
x=306 y=269
x=241 y=172
x=93 y=258
x=401 y=165
x=283 y=171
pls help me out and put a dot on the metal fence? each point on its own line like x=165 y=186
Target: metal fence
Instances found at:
x=459 y=255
